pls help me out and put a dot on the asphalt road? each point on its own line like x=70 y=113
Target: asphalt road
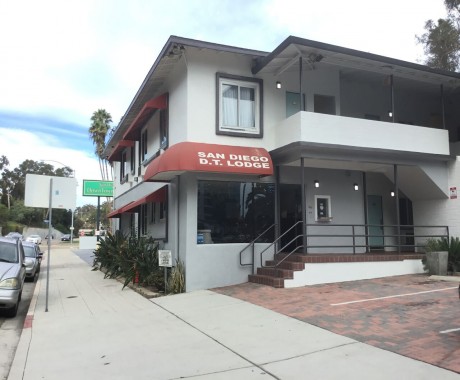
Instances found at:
x=10 y=330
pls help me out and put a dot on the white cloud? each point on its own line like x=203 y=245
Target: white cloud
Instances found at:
x=39 y=147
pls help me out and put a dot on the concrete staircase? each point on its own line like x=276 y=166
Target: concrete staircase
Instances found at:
x=275 y=277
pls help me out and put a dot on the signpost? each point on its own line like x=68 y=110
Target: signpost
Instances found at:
x=165 y=260
x=55 y=192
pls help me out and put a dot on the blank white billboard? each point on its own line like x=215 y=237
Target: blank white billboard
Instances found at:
x=37 y=192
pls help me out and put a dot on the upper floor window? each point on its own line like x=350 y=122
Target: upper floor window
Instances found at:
x=143 y=147
x=239 y=110
x=123 y=167
x=164 y=129
x=132 y=160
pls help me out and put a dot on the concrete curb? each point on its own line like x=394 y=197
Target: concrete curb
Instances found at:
x=446 y=278
x=20 y=356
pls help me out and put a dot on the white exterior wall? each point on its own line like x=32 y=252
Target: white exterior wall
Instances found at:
x=347 y=131
x=442 y=211
x=347 y=205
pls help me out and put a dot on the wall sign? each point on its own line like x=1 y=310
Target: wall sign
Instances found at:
x=164 y=258
x=234 y=160
x=453 y=192
x=323 y=208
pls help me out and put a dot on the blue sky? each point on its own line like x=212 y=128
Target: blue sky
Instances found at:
x=63 y=60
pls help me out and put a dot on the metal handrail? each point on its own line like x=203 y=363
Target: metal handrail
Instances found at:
x=251 y=244
x=353 y=236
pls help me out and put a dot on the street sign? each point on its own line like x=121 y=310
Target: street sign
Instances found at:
x=97 y=188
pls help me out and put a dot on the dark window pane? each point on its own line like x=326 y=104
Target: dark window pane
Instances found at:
x=235 y=212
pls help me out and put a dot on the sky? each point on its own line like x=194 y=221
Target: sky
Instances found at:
x=60 y=61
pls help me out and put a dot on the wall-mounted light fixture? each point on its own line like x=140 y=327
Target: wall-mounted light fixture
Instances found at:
x=278 y=84
x=392 y=193
x=355 y=187
x=390 y=113
x=316 y=183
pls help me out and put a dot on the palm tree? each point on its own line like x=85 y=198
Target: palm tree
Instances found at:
x=100 y=126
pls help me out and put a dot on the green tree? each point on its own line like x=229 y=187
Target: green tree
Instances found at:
x=441 y=41
x=100 y=127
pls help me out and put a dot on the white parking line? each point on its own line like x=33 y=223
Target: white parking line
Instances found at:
x=395 y=296
x=448 y=331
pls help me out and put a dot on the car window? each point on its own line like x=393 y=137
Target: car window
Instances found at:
x=8 y=252
x=29 y=251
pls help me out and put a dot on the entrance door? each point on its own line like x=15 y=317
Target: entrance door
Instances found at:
x=375 y=219
x=293 y=104
x=290 y=213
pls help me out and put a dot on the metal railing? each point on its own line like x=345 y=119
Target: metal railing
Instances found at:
x=346 y=237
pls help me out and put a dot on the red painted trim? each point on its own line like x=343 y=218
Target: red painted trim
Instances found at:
x=116 y=153
x=160 y=102
x=28 y=321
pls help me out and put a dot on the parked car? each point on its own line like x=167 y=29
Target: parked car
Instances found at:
x=34 y=239
x=15 y=235
x=12 y=274
x=65 y=237
x=32 y=259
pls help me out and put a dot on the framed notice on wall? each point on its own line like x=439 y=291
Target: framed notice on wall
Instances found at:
x=323 y=208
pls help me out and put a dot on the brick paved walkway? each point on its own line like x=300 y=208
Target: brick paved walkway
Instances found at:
x=410 y=325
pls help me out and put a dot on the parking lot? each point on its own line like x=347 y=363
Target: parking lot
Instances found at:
x=411 y=315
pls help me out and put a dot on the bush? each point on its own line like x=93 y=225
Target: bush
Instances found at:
x=176 y=282
x=130 y=258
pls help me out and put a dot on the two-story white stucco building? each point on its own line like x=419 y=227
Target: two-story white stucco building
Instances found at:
x=332 y=153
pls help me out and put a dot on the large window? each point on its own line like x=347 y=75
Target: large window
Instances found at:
x=239 y=110
x=235 y=212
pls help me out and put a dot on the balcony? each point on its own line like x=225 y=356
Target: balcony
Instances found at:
x=361 y=134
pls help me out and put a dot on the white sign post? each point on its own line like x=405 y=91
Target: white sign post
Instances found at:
x=165 y=260
x=62 y=193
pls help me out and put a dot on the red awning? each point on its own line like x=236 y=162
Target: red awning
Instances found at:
x=160 y=102
x=116 y=153
x=157 y=196
x=200 y=157
x=115 y=213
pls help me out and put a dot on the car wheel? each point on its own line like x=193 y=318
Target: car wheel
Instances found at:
x=11 y=312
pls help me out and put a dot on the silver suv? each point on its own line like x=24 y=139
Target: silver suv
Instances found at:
x=12 y=275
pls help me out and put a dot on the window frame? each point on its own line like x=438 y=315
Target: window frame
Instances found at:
x=240 y=81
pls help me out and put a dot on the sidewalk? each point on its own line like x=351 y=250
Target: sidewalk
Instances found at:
x=95 y=330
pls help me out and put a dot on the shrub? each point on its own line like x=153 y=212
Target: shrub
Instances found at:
x=125 y=257
x=176 y=282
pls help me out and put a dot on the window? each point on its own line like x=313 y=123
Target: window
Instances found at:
x=324 y=104
x=163 y=129
x=152 y=212
x=143 y=147
x=123 y=167
x=162 y=210
x=143 y=219
x=239 y=110
x=132 y=160
x=235 y=212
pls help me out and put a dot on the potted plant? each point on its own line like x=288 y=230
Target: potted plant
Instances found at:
x=437 y=256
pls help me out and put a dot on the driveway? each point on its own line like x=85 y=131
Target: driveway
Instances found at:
x=411 y=315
